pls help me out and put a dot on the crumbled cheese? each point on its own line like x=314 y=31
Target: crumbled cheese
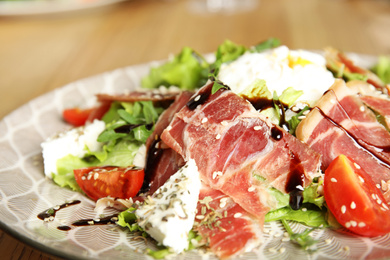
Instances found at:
x=72 y=142
x=169 y=214
x=140 y=157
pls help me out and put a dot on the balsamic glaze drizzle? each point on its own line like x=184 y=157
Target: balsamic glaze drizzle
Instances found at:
x=152 y=158
x=295 y=182
x=97 y=221
x=199 y=99
x=51 y=212
x=358 y=141
x=126 y=129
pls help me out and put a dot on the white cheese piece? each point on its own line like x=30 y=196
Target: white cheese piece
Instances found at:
x=280 y=68
x=71 y=142
x=169 y=214
x=140 y=157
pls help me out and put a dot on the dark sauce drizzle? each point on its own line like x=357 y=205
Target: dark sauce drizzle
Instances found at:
x=51 y=212
x=152 y=158
x=264 y=103
x=97 y=221
x=200 y=98
x=358 y=141
x=126 y=129
x=295 y=181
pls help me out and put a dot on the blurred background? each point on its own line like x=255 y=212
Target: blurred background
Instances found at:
x=45 y=45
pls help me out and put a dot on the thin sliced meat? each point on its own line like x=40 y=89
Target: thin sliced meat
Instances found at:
x=342 y=124
x=231 y=142
x=375 y=100
x=162 y=161
x=139 y=95
x=226 y=227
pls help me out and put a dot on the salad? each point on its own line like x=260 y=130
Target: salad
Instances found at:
x=208 y=150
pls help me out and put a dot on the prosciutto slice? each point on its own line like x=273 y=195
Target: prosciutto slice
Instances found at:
x=162 y=161
x=342 y=124
x=231 y=142
x=225 y=226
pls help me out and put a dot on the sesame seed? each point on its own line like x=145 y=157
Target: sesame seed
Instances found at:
x=204 y=120
x=379 y=201
x=96 y=175
x=373 y=196
x=91 y=222
x=333 y=180
x=218 y=136
x=362 y=108
x=378 y=186
x=238 y=215
x=169 y=128
x=361 y=179
x=301 y=117
x=357 y=166
x=343 y=209
x=361 y=224
x=199 y=217
x=251 y=188
x=353 y=223
x=385 y=206
x=258 y=127
x=306 y=112
x=348 y=225
x=304 y=209
x=222 y=204
x=83 y=178
x=197 y=98
x=299 y=187
x=285 y=239
x=353 y=205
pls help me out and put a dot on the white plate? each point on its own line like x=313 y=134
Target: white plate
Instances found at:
x=24 y=191
x=32 y=7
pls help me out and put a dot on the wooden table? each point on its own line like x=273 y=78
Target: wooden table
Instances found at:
x=41 y=53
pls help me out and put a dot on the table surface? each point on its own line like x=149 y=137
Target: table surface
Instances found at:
x=39 y=53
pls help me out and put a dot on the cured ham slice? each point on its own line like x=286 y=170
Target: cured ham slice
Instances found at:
x=231 y=142
x=225 y=226
x=342 y=124
x=375 y=100
x=162 y=161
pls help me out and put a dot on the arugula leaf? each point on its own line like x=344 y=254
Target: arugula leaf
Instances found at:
x=226 y=52
x=303 y=239
x=267 y=44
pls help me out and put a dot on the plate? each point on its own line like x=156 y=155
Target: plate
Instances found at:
x=32 y=7
x=25 y=192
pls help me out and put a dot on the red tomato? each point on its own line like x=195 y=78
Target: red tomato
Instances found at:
x=76 y=116
x=354 y=199
x=100 y=182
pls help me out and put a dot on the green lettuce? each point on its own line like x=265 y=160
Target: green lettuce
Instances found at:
x=382 y=69
x=119 y=148
x=187 y=70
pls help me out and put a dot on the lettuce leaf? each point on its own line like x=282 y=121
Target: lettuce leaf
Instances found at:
x=187 y=70
x=382 y=69
x=65 y=176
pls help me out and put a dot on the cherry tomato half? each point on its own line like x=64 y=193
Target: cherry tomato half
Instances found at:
x=117 y=182
x=353 y=198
